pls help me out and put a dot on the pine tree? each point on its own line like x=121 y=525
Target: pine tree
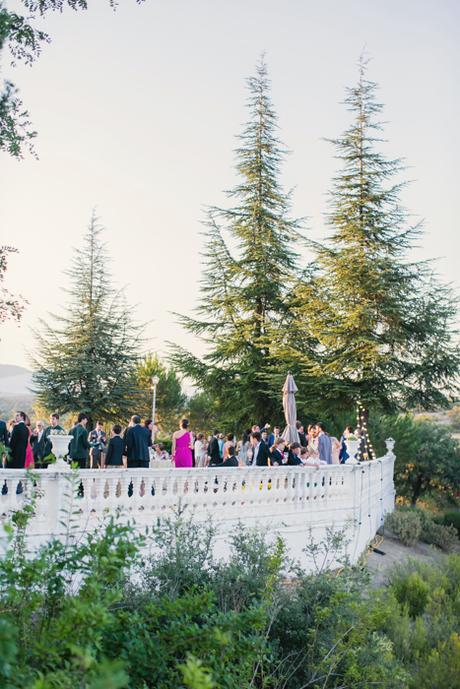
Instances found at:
x=243 y=309
x=381 y=325
x=86 y=358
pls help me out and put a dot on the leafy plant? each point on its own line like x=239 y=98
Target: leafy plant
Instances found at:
x=452 y=518
x=427 y=456
x=113 y=608
x=405 y=524
x=443 y=536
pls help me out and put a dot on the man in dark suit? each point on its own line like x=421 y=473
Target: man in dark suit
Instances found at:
x=18 y=442
x=4 y=438
x=213 y=449
x=114 y=455
x=38 y=442
x=260 y=452
x=54 y=426
x=231 y=460
x=294 y=455
x=302 y=437
x=79 y=445
x=137 y=444
x=277 y=452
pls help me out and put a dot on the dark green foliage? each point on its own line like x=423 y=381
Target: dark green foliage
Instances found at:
x=425 y=622
x=427 y=456
x=11 y=305
x=86 y=358
x=16 y=133
x=452 y=518
x=170 y=401
x=203 y=412
x=93 y=613
x=443 y=536
x=18 y=33
x=247 y=279
x=411 y=524
x=380 y=326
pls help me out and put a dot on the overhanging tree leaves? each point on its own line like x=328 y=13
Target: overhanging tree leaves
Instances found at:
x=248 y=277
x=86 y=358
x=25 y=42
x=11 y=305
x=382 y=324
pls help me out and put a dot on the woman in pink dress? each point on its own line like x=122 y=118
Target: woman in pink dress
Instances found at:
x=29 y=463
x=181 y=447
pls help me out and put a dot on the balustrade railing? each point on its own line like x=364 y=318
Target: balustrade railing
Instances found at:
x=287 y=500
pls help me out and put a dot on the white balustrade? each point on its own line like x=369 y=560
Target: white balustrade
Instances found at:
x=290 y=501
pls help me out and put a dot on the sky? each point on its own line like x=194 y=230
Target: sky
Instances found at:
x=137 y=112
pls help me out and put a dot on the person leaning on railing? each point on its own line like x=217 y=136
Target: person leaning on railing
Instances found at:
x=277 y=452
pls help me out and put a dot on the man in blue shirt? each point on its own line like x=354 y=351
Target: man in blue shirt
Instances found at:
x=324 y=444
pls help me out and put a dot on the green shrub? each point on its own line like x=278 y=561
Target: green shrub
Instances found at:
x=441 y=535
x=97 y=612
x=413 y=592
x=405 y=524
x=441 y=670
x=424 y=626
x=452 y=518
x=410 y=524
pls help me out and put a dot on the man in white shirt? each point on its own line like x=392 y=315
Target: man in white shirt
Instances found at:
x=38 y=440
x=260 y=454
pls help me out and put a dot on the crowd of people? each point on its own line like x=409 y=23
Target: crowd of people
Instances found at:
x=267 y=447
x=27 y=447
x=134 y=446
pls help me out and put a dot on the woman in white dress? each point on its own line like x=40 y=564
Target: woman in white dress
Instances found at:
x=244 y=448
x=336 y=445
x=200 y=451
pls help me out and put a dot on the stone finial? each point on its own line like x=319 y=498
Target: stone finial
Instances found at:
x=390 y=443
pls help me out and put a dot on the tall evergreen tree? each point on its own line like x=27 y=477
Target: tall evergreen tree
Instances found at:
x=86 y=358
x=381 y=325
x=243 y=308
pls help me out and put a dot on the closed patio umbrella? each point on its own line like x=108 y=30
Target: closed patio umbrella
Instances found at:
x=290 y=433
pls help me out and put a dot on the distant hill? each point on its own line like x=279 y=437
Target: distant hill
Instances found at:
x=15 y=380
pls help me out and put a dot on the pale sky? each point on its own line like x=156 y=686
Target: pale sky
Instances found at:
x=137 y=112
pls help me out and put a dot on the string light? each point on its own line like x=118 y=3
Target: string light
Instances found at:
x=361 y=421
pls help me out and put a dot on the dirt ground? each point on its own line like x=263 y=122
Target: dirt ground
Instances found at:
x=396 y=553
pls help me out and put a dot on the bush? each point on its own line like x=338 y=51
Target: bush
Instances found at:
x=405 y=524
x=452 y=518
x=412 y=592
x=441 y=535
x=425 y=623
x=96 y=612
x=411 y=524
